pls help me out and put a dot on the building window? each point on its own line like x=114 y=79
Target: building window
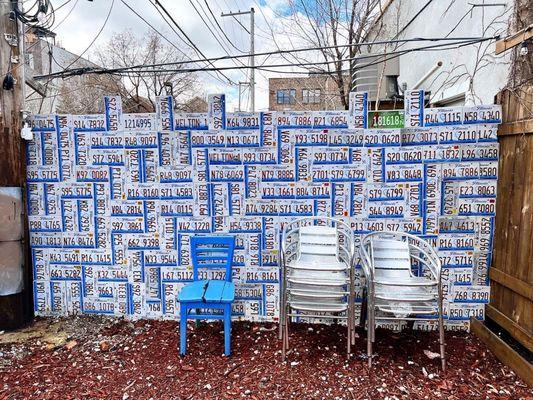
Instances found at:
x=286 y=96
x=311 y=96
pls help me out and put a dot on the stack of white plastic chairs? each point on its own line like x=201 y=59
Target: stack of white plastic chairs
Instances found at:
x=317 y=278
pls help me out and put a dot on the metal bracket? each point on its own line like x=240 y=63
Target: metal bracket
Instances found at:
x=11 y=39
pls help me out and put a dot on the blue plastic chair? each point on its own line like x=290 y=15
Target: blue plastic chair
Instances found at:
x=197 y=299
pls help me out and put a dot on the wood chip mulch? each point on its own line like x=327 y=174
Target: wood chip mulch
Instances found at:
x=140 y=360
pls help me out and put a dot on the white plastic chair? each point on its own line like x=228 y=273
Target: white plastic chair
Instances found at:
x=317 y=278
x=393 y=290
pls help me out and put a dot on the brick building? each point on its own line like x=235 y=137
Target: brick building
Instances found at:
x=306 y=93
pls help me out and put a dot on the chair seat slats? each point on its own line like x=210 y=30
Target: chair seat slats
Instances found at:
x=317 y=294
x=220 y=292
x=315 y=266
x=318 y=307
x=405 y=297
x=318 y=249
x=407 y=282
x=316 y=239
x=323 y=282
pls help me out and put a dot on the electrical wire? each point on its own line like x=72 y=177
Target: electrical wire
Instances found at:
x=457 y=40
x=96 y=37
x=66 y=16
x=84 y=51
x=212 y=33
x=391 y=57
x=220 y=28
x=135 y=69
x=31 y=46
x=322 y=72
x=27 y=18
x=158 y=5
x=168 y=40
x=42 y=17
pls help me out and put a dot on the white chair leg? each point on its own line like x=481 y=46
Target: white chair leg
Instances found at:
x=369 y=348
x=349 y=332
x=441 y=339
x=287 y=319
x=281 y=323
x=284 y=343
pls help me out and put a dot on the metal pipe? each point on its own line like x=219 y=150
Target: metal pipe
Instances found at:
x=427 y=75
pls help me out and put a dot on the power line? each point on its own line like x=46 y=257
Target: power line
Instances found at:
x=165 y=37
x=66 y=16
x=125 y=71
x=241 y=24
x=316 y=48
x=251 y=13
x=277 y=52
x=318 y=72
x=84 y=51
x=42 y=8
x=184 y=41
x=97 y=35
x=153 y=28
x=212 y=33
x=220 y=28
x=414 y=18
x=158 y=4
x=134 y=69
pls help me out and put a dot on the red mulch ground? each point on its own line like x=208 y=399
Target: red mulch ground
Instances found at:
x=140 y=360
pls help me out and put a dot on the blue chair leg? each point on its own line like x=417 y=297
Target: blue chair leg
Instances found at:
x=183 y=329
x=197 y=322
x=227 y=329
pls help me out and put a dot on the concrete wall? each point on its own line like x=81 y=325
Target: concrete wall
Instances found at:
x=469 y=75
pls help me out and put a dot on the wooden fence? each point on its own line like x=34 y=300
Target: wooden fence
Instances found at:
x=511 y=272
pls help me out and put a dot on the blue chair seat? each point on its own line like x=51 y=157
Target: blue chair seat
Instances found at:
x=193 y=292
x=220 y=292
x=208 y=292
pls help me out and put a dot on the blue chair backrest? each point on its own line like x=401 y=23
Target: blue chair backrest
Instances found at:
x=212 y=252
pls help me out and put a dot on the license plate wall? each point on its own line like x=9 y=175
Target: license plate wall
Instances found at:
x=114 y=199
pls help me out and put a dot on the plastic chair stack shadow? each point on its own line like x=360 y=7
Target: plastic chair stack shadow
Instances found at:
x=209 y=299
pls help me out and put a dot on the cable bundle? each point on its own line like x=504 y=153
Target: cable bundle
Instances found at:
x=40 y=14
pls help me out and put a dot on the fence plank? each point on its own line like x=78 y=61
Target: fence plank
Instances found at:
x=503 y=351
x=511 y=273
x=520 y=334
x=516 y=285
x=515 y=128
x=525 y=247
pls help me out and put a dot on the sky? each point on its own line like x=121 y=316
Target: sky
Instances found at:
x=78 y=22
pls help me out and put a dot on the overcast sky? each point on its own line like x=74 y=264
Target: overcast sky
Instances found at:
x=79 y=21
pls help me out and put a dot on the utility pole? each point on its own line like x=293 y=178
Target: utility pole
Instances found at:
x=240 y=85
x=252 y=58
x=242 y=88
x=15 y=265
x=252 y=49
